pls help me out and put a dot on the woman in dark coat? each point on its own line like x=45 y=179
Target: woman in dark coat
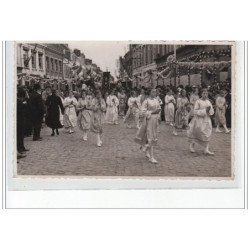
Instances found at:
x=53 y=103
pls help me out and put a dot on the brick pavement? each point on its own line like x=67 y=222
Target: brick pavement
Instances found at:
x=120 y=156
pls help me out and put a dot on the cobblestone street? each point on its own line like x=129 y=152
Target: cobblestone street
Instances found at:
x=120 y=156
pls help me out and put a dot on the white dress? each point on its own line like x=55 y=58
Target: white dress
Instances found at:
x=193 y=99
x=220 y=112
x=148 y=130
x=70 y=118
x=61 y=115
x=84 y=116
x=200 y=127
x=112 y=109
x=169 y=108
x=133 y=111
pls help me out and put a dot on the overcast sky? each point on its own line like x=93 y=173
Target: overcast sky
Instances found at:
x=104 y=54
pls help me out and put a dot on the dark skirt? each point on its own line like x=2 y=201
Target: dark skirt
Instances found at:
x=52 y=119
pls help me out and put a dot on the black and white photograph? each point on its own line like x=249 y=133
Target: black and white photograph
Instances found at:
x=125 y=109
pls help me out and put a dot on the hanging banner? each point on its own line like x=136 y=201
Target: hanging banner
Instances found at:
x=195 y=79
x=184 y=80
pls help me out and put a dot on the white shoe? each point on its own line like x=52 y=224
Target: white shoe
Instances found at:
x=143 y=149
x=85 y=138
x=171 y=124
x=218 y=131
x=153 y=160
x=175 y=133
x=227 y=131
x=192 y=149
x=148 y=155
x=207 y=152
x=99 y=144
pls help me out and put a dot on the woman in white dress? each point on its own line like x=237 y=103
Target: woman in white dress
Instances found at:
x=200 y=127
x=141 y=98
x=85 y=113
x=122 y=102
x=98 y=116
x=169 y=107
x=133 y=111
x=147 y=134
x=161 y=103
x=112 y=109
x=70 y=119
x=60 y=94
x=193 y=98
x=181 y=115
x=220 y=114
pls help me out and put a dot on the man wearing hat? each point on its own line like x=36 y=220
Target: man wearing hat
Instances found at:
x=37 y=112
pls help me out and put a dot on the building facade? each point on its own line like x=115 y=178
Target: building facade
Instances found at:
x=144 y=60
x=30 y=60
x=203 y=54
x=54 y=62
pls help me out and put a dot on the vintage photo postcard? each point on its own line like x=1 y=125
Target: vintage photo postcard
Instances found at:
x=124 y=109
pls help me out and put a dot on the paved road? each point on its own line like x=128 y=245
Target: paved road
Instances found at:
x=120 y=156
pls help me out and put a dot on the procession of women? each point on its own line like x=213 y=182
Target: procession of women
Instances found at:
x=193 y=111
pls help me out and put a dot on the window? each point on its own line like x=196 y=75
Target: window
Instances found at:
x=47 y=62
x=40 y=60
x=33 y=59
x=160 y=50
x=60 y=66
x=51 y=63
x=56 y=65
x=151 y=53
x=25 y=57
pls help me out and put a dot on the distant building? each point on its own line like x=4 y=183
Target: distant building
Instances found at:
x=30 y=60
x=142 y=60
x=144 y=57
x=203 y=53
x=58 y=65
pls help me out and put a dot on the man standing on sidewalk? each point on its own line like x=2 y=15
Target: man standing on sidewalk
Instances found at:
x=37 y=112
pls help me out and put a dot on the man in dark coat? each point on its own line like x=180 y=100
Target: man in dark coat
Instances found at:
x=228 y=109
x=53 y=103
x=37 y=112
x=20 y=127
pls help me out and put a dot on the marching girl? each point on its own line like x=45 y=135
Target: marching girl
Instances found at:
x=200 y=127
x=161 y=103
x=147 y=134
x=169 y=107
x=112 y=109
x=70 y=119
x=193 y=98
x=98 y=116
x=220 y=114
x=141 y=98
x=133 y=111
x=60 y=94
x=85 y=113
x=122 y=98
x=182 y=113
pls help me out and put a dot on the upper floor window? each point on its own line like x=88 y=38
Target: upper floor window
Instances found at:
x=56 y=65
x=47 y=62
x=40 y=60
x=26 y=57
x=51 y=63
x=60 y=66
x=33 y=59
